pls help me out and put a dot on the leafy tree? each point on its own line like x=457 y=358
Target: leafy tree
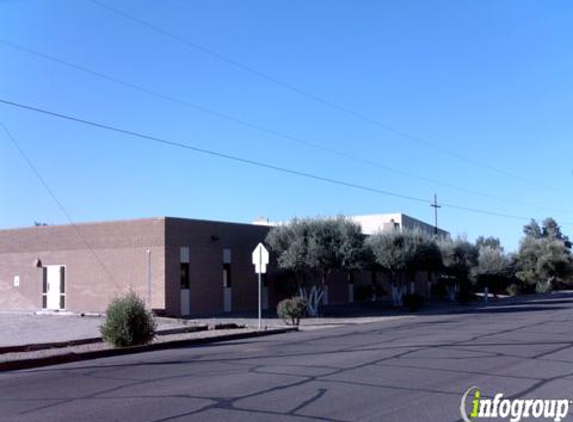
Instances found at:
x=353 y=254
x=459 y=257
x=494 y=268
x=543 y=261
x=313 y=248
x=490 y=241
x=428 y=256
x=544 y=255
x=549 y=229
x=399 y=254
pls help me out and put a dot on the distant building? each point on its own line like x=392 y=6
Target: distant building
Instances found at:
x=376 y=223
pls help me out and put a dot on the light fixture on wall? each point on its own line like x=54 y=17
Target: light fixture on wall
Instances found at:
x=38 y=263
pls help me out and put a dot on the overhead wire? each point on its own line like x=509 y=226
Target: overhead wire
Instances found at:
x=317 y=98
x=263 y=129
x=57 y=201
x=248 y=161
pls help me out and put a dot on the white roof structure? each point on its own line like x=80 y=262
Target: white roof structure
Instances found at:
x=376 y=223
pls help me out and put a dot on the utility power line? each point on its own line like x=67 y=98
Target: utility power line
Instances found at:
x=59 y=204
x=247 y=161
x=263 y=129
x=317 y=98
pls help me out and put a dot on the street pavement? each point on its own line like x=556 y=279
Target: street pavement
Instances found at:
x=406 y=370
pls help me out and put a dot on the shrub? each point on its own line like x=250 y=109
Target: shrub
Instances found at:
x=413 y=301
x=292 y=310
x=127 y=322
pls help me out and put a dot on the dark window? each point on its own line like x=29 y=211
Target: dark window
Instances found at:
x=44 y=288
x=62 y=280
x=44 y=280
x=226 y=275
x=184 y=275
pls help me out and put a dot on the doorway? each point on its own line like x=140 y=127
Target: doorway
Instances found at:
x=54 y=287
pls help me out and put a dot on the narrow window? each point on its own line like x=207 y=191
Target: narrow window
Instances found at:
x=184 y=275
x=44 y=288
x=226 y=268
x=62 y=287
x=226 y=275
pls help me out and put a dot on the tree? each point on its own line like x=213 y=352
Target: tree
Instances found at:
x=312 y=249
x=490 y=241
x=543 y=261
x=354 y=256
x=544 y=255
x=400 y=254
x=549 y=229
x=290 y=244
x=493 y=269
x=459 y=257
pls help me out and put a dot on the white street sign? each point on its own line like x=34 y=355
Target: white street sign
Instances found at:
x=260 y=259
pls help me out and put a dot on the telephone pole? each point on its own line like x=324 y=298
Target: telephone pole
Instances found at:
x=436 y=206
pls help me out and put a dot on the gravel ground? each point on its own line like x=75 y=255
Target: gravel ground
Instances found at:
x=19 y=329
x=6 y=357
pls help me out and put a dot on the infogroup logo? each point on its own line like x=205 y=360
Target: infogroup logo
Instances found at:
x=474 y=407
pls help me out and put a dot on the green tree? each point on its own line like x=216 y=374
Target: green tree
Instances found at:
x=459 y=257
x=402 y=254
x=490 y=241
x=494 y=268
x=542 y=262
x=549 y=229
x=353 y=254
x=313 y=248
x=544 y=255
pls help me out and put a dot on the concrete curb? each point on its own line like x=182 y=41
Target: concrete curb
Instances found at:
x=76 y=357
x=32 y=347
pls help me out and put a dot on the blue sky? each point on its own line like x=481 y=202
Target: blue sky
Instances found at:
x=489 y=81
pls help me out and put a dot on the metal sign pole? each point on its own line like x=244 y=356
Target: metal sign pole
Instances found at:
x=260 y=261
x=260 y=306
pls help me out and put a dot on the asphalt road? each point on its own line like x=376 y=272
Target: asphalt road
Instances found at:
x=411 y=370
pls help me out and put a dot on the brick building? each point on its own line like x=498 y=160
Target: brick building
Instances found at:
x=179 y=266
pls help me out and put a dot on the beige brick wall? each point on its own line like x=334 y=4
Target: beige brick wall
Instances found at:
x=120 y=246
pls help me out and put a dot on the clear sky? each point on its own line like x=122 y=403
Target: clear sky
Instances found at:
x=469 y=100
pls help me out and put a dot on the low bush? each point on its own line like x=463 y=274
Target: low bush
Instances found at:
x=127 y=322
x=413 y=301
x=292 y=310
